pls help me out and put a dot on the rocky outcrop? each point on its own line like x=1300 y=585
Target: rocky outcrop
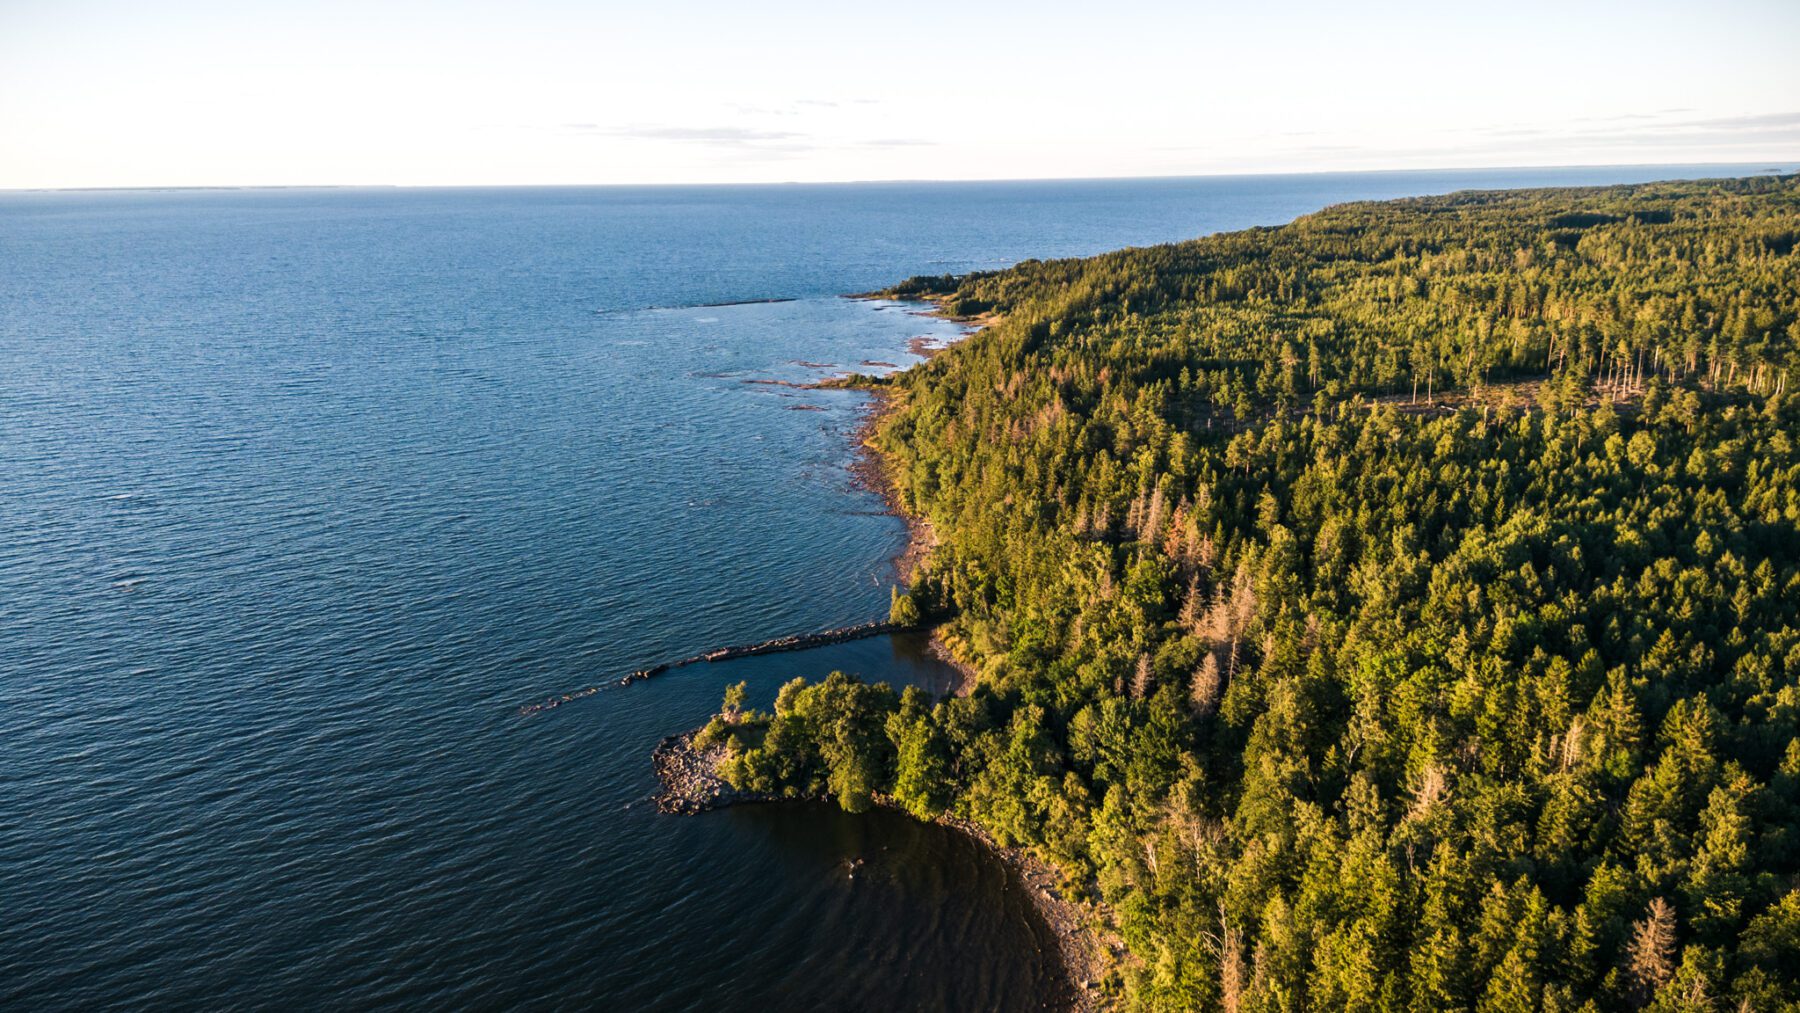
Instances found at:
x=690 y=778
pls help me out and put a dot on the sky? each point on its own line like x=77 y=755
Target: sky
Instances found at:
x=372 y=92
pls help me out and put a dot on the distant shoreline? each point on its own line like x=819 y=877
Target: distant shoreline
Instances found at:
x=1754 y=167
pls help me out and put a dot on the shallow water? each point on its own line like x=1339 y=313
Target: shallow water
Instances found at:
x=306 y=492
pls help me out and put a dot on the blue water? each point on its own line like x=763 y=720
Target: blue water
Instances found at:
x=304 y=493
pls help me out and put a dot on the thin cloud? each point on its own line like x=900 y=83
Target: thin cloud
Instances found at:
x=747 y=141
x=1640 y=127
x=796 y=107
x=1660 y=134
x=1767 y=120
x=1655 y=138
x=1710 y=138
x=749 y=110
x=730 y=136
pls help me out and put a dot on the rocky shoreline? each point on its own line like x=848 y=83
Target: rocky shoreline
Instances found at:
x=690 y=778
x=691 y=785
x=867 y=472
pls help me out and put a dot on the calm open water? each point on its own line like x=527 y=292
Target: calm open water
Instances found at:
x=304 y=493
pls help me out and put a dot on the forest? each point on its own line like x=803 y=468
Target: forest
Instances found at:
x=1398 y=609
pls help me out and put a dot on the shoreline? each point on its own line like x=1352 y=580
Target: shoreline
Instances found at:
x=869 y=470
x=1080 y=950
x=691 y=786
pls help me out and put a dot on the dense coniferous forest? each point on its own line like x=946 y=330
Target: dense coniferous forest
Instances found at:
x=1398 y=609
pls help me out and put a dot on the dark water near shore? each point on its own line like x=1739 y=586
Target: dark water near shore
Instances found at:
x=305 y=492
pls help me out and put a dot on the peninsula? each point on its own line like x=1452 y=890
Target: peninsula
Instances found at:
x=1395 y=609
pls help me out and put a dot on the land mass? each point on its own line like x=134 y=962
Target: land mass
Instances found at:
x=1399 y=608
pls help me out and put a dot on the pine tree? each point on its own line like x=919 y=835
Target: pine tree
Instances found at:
x=1650 y=954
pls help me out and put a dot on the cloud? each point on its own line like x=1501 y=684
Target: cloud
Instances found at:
x=1716 y=133
x=749 y=110
x=1765 y=121
x=726 y=136
x=1640 y=127
x=797 y=107
x=1623 y=116
x=747 y=141
x=1666 y=136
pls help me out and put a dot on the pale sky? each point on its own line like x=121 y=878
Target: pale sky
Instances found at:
x=242 y=92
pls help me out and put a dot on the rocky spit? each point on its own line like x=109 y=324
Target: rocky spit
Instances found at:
x=690 y=778
x=691 y=785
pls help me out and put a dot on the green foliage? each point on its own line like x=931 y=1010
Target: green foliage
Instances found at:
x=1397 y=609
x=825 y=738
x=902 y=609
x=713 y=733
x=734 y=697
x=922 y=757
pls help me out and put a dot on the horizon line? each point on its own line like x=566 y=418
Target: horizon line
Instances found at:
x=1780 y=167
